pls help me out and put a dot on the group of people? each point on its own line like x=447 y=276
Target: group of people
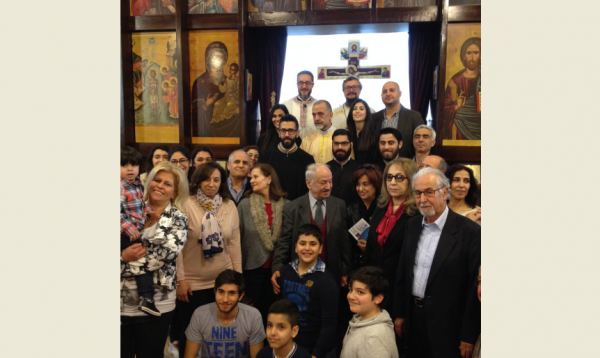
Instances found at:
x=258 y=259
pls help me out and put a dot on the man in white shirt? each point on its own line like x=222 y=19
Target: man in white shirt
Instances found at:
x=436 y=287
x=351 y=87
x=301 y=105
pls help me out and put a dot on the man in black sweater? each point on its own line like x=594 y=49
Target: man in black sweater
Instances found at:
x=288 y=160
x=342 y=167
x=313 y=289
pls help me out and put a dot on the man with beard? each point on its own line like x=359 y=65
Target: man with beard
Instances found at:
x=238 y=182
x=288 y=160
x=390 y=142
x=462 y=104
x=318 y=143
x=205 y=93
x=301 y=105
x=225 y=328
x=435 y=305
x=395 y=115
x=423 y=141
x=343 y=166
x=351 y=87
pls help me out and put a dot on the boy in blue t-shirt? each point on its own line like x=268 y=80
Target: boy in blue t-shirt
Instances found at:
x=305 y=282
x=282 y=328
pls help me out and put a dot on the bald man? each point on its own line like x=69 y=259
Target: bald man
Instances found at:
x=397 y=116
x=435 y=162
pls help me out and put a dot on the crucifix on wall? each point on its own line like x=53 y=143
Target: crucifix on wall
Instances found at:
x=353 y=54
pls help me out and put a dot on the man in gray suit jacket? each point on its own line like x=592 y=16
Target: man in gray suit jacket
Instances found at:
x=397 y=116
x=328 y=213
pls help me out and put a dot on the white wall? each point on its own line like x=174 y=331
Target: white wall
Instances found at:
x=311 y=51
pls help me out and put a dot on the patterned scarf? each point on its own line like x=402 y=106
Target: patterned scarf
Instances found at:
x=387 y=223
x=211 y=236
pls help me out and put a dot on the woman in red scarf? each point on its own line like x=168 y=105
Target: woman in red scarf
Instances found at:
x=394 y=207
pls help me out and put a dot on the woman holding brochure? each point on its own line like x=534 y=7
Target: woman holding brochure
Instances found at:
x=367 y=181
x=394 y=207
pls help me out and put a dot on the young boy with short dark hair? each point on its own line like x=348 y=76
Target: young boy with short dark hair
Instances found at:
x=305 y=282
x=282 y=328
x=133 y=218
x=371 y=330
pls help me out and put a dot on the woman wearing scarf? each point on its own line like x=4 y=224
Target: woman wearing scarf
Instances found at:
x=260 y=226
x=213 y=243
x=394 y=207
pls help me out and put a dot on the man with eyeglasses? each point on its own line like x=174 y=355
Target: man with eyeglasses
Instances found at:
x=318 y=143
x=288 y=160
x=435 y=162
x=301 y=105
x=397 y=116
x=343 y=166
x=435 y=305
x=351 y=87
x=238 y=166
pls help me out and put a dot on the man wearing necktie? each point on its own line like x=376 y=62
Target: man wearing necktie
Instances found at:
x=316 y=207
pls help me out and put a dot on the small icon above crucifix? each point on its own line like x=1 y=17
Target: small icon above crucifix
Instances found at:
x=353 y=54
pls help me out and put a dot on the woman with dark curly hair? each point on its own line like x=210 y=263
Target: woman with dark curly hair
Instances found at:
x=270 y=138
x=213 y=242
x=360 y=126
x=367 y=181
x=463 y=192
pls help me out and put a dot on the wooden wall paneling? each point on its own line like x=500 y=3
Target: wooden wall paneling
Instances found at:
x=213 y=21
x=183 y=78
x=276 y=18
x=464 y=13
x=153 y=23
x=242 y=10
x=332 y=17
x=127 y=111
x=407 y=14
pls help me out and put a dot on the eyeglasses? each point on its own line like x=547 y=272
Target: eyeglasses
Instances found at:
x=300 y=83
x=288 y=131
x=181 y=161
x=351 y=88
x=343 y=144
x=428 y=192
x=399 y=177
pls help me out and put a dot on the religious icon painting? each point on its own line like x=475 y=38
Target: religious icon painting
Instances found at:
x=276 y=5
x=340 y=4
x=462 y=99
x=152 y=7
x=405 y=3
x=248 y=86
x=155 y=91
x=215 y=87
x=213 y=7
x=465 y=2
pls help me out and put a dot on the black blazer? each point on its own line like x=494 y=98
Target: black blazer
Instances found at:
x=388 y=261
x=408 y=120
x=352 y=217
x=296 y=214
x=452 y=310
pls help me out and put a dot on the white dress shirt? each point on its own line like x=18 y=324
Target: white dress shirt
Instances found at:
x=428 y=242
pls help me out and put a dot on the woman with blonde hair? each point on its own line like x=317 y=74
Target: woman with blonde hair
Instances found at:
x=395 y=206
x=164 y=237
x=261 y=218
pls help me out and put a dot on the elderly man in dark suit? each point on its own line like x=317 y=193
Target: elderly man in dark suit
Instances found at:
x=397 y=116
x=436 y=305
x=328 y=213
